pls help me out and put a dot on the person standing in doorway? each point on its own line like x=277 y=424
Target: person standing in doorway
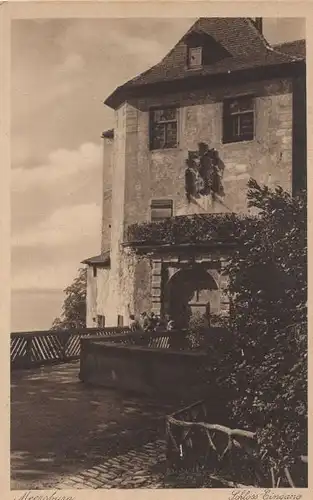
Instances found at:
x=134 y=324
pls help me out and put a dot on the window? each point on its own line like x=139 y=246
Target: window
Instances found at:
x=94 y=271
x=163 y=128
x=161 y=209
x=194 y=57
x=120 y=320
x=238 y=119
x=101 y=321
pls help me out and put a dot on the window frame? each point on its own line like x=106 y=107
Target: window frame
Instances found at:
x=120 y=320
x=189 y=53
x=153 y=123
x=228 y=116
x=167 y=204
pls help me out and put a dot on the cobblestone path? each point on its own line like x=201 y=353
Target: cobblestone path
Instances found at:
x=140 y=468
x=61 y=429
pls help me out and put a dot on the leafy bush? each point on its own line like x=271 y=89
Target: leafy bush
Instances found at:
x=215 y=228
x=266 y=365
x=196 y=326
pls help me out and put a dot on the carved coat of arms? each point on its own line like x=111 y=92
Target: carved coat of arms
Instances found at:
x=204 y=173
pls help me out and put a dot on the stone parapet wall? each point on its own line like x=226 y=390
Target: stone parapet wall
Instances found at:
x=154 y=372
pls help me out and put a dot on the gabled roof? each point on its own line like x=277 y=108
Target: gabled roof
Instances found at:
x=239 y=37
x=295 y=48
x=102 y=260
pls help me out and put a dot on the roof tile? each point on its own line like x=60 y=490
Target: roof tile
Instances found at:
x=240 y=37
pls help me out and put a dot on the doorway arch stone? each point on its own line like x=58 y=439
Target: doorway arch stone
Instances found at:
x=189 y=290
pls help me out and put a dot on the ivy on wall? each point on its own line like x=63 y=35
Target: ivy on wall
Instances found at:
x=191 y=229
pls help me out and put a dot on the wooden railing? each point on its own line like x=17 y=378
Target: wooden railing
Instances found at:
x=42 y=347
x=174 y=339
x=225 y=456
x=154 y=340
x=50 y=346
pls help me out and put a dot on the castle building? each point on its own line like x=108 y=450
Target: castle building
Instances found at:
x=222 y=106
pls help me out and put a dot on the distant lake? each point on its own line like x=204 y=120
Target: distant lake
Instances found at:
x=35 y=309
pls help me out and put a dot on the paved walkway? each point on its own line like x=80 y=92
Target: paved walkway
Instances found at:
x=66 y=434
x=138 y=468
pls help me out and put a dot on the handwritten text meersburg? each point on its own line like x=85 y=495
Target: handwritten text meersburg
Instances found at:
x=50 y=496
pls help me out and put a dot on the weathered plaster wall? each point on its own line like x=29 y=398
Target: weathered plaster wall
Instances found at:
x=103 y=287
x=158 y=372
x=140 y=175
x=108 y=161
x=118 y=211
x=91 y=299
x=160 y=174
x=143 y=285
x=120 y=296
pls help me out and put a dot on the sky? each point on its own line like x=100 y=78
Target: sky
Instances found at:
x=61 y=72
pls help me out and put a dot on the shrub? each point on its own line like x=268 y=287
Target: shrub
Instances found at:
x=196 y=327
x=266 y=365
x=214 y=228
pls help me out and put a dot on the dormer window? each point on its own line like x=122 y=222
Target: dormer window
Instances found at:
x=194 y=57
x=203 y=50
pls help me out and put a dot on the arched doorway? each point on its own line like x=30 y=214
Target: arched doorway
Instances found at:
x=190 y=291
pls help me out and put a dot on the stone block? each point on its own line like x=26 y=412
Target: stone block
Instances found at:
x=287 y=156
x=156 y=266
x=156 y=300
x=156 y=279
x=155 y=292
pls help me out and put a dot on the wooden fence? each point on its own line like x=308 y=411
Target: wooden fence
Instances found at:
x=153 y=339
x=52 y=346
x=224 y=456
x=158 y=339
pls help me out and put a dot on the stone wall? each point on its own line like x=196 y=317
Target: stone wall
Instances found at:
x=103 y=286
x=108 y=161
x=91 y=299
x=154 y=372
x=166 y=267
x=118 y=211
x=160 y=173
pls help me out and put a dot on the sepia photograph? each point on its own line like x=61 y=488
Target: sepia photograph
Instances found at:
x=159 y=253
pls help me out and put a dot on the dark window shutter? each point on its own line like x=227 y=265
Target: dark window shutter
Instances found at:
x=161 y=209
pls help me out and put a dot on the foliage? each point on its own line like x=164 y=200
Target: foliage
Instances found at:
x=198 y=228
x=74 y=307
x=197 y=324
x=266 y=364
